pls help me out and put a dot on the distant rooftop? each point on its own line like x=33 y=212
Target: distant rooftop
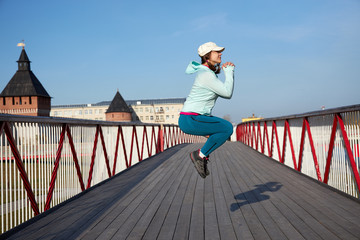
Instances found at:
x=24 y=82
x=118 y=104
x=128 y=102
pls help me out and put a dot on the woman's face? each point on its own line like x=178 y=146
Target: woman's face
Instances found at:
x=215 y=57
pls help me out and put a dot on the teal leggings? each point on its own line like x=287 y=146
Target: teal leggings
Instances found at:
x=218 y=129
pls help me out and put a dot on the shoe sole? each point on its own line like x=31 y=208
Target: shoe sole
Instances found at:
x=199 y=172
x=207 y=173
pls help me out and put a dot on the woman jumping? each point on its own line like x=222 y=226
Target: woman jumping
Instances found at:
x=196 y=118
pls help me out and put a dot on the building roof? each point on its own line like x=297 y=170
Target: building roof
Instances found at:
x=118 y=104
x=24 y=82
x=128 y=102
x=23 y=56
x=157 y=101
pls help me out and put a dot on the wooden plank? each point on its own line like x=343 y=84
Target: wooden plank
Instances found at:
x=247 y=193
x=210 y=218
x=239 y=223
x=157 y=222
x=253 y=165
x=183 y=222
x=241 y=215
x=261 y=193
x=340 y=207
x=152 y=203
x=125 y=220
x=225 y=224
x=323 y=209
x=197 y=228
x=169 y=225
x=304 y=203
x=104 y=226
x=293 y=219
x=80 y=212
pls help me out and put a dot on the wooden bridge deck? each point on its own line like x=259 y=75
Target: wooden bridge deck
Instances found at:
x=246 y=196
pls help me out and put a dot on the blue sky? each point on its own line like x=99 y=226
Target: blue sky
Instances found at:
x=291 y=56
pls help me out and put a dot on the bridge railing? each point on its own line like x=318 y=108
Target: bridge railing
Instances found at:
x=322 y=144
x=45 y=161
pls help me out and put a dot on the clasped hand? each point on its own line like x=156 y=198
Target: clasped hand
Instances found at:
x=227 y=64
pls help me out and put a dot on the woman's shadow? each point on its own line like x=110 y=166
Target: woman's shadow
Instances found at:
x=255 y=195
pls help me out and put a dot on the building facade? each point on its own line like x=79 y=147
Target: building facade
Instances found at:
x=24 y=93
x=165 y=111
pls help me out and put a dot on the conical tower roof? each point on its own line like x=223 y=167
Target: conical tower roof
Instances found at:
x=24 y=82
x=118 y=104
x=23 y=56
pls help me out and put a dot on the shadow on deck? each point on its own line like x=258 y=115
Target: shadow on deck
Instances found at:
x=246 y=196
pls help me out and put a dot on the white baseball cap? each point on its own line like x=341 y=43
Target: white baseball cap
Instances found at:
x=208 y=47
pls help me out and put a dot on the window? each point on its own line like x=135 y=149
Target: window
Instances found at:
x=77 y=112
x=68 y=113
x=4 y=101
x=30 y=101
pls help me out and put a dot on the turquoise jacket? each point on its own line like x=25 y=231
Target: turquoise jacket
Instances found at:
x=207 y=88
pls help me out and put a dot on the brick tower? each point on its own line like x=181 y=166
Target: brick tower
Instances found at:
x=24 y=94
x=118 y=110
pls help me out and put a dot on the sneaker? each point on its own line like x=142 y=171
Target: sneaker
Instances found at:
x=199 y=163
x=206 y=161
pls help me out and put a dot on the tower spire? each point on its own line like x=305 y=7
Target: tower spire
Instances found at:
x=23 y=62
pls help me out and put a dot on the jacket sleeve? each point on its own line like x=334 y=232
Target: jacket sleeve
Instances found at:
x=223 y=89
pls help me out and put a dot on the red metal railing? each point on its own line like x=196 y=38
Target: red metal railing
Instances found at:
x=44 y=161
x=331 y=155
